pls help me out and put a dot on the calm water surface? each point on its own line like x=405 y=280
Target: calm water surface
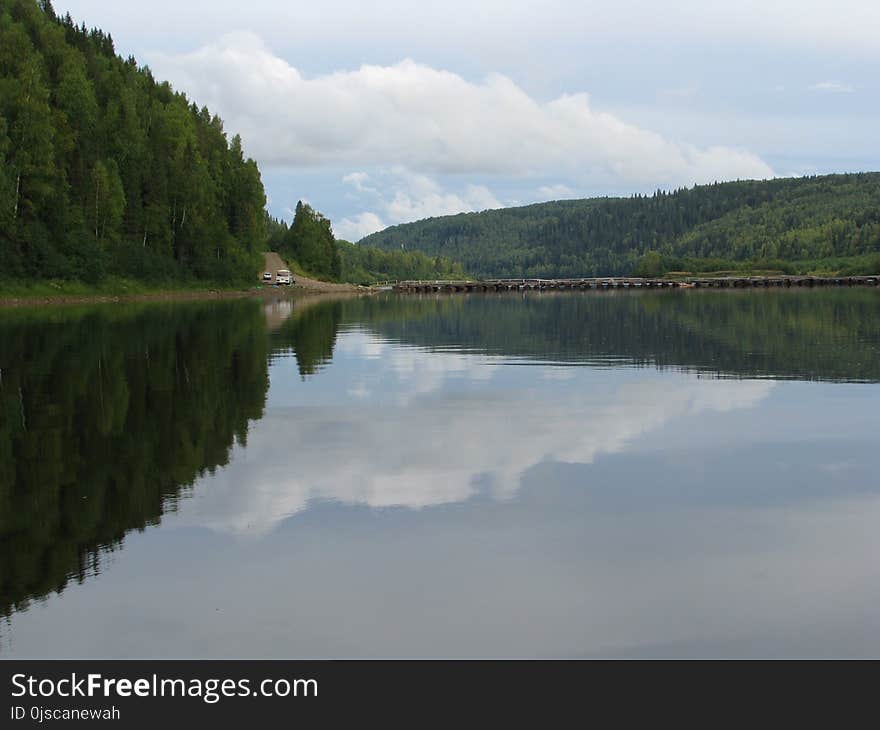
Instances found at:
x=605 y=474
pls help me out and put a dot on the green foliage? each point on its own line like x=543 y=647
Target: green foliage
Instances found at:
x=310 y=246
x=276 y=233
x=106 y=190
x=745 y=222
x=310 y=242
x=367 y=265
x=649 y=264
x=97 y=158
x=865 y=266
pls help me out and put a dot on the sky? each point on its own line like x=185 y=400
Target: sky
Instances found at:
x=386 y=112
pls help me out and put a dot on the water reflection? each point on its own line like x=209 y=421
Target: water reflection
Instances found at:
x=310 y=335
x=781 y=335
x=773 y=334
x=415 y=429
x=542 y=476
x=105 y=415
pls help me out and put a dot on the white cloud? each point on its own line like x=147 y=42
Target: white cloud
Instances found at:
x=354 y=228
x=418 y=196
x=350 y=452
x=834 y=87
x=431 y=121
x=555 y=192
x=359 y=181
x=403 y=196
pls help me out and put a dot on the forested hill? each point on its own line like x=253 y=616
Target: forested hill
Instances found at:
x=107 y=171
x=771 y=223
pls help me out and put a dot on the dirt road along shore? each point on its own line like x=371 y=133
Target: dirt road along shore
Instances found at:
x=273 y=263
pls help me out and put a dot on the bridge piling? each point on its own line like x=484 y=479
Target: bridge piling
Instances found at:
x=616 y=282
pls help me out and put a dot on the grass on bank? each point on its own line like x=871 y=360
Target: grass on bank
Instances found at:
x=864 y=265
x=110 y=287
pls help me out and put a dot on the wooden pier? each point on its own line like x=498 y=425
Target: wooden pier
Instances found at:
x=605 y=283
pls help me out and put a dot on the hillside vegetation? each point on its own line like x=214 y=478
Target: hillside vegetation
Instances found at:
x=829 y=222
x=367 y=265
x=309 y=241
x=105 y=171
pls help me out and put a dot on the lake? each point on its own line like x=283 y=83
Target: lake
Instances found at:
x=606 y=474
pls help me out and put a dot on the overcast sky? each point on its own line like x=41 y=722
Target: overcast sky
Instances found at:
x=385 y=112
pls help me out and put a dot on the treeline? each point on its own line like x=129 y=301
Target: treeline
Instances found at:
x=107 y=171
x=368 y=265
x=309 y=241
x=796 y=220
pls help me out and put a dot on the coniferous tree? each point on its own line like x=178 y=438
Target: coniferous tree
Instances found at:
x=311 y=243
x=104 y=170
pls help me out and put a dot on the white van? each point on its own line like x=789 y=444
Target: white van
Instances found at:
x=283 y=277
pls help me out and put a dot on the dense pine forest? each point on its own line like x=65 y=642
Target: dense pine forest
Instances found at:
x=107 y=171
x=829 y=222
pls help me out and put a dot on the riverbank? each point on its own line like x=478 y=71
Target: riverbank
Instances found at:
x=123 y=290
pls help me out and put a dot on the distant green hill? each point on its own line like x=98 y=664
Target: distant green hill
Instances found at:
x=830 y=221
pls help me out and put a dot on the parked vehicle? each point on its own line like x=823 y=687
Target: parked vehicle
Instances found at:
x=267 y=276
x=283 y=277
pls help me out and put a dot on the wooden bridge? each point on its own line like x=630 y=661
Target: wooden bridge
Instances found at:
x=604 y=283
